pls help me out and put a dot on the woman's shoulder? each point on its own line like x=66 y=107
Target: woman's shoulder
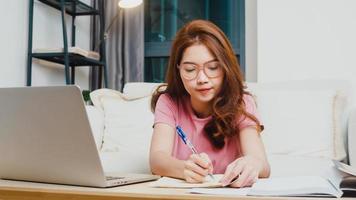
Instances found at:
x=249 y=99
x=250 y=103
x=166 y=100
x=175 y=105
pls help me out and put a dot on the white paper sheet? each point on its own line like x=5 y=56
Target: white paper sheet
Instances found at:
x=222 y=191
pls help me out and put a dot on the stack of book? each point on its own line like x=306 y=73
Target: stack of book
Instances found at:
x=75 y=50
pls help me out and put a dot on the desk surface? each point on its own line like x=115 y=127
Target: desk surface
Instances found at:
x=28 y=190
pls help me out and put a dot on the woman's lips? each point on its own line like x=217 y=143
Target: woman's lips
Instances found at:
x=204 y=90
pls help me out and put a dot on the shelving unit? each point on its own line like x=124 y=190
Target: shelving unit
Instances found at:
x=69 y=60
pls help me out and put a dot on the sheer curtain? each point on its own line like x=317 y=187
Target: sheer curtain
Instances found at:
x=124 y=45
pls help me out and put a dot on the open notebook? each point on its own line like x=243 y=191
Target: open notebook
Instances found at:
x=301 y=186
x=278 y=186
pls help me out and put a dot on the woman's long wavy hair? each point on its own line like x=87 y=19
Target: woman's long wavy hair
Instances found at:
x=228 y=105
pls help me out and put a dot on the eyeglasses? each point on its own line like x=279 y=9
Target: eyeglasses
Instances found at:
x=190 y=71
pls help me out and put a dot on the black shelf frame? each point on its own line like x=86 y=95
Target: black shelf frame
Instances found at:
x=69 y=60
x=75 y=60
x=80 y=7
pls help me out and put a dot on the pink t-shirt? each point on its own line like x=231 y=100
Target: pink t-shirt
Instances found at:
x=169 y=112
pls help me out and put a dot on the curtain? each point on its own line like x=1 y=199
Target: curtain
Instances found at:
x=124 y=45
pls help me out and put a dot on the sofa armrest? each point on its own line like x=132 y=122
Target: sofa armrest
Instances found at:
x=352 y=138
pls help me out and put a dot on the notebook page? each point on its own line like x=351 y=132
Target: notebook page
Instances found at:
x=168 y=182
x=221 y=191
x=345 y=168
x=294 y=186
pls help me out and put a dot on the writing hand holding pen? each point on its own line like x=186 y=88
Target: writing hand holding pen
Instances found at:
x=198 y=165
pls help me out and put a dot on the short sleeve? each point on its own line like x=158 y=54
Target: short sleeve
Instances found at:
x=165 y=111
x=251 y=108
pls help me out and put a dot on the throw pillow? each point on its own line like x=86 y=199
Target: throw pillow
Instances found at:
x=139 y=89
x=128 y=126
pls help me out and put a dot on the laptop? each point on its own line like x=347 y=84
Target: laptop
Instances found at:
x=45 y=136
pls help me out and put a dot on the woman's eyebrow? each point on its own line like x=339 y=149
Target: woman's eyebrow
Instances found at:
x=190 y=62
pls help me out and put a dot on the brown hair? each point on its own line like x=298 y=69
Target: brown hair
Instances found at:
x=228 y=105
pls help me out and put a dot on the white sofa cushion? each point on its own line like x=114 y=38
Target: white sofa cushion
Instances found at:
x=128 y=128
x=96 y=120
x=298 y=123
x=335 y=90
x=139 y=89
x=125 y=162
x=288 y=165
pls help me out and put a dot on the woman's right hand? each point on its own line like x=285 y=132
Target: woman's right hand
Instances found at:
x=197 y=167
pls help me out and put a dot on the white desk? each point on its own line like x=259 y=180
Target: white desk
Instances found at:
x=15 y=190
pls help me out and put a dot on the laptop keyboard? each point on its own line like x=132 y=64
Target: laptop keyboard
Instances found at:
x=109 y=178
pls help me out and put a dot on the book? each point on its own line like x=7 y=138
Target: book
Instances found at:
x=76 y=50
x=348 y=182
x=345 y=168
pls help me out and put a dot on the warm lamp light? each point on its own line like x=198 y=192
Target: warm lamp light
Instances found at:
x=129 y=3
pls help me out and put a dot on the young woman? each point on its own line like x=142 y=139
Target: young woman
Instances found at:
x=204 y=95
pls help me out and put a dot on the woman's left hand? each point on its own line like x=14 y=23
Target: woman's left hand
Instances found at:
x=242 y=172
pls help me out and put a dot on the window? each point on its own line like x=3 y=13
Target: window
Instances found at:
x=163 y=18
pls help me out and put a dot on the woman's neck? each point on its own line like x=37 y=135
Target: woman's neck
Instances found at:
x=201 y=109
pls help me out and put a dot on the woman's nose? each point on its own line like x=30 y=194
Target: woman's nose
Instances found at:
x=202 y=78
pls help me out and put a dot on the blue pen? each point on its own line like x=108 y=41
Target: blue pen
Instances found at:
x=187 y=142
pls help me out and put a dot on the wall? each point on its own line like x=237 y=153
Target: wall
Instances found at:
x=251 y=40
x=306 y=39
x=47 y=33
x=285 y=40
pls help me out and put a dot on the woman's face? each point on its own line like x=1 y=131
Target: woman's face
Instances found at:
x=201 y=74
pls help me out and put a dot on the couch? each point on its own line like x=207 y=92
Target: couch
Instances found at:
x=307 y=125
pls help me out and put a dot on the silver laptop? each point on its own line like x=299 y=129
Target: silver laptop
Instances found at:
x=45 y=136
